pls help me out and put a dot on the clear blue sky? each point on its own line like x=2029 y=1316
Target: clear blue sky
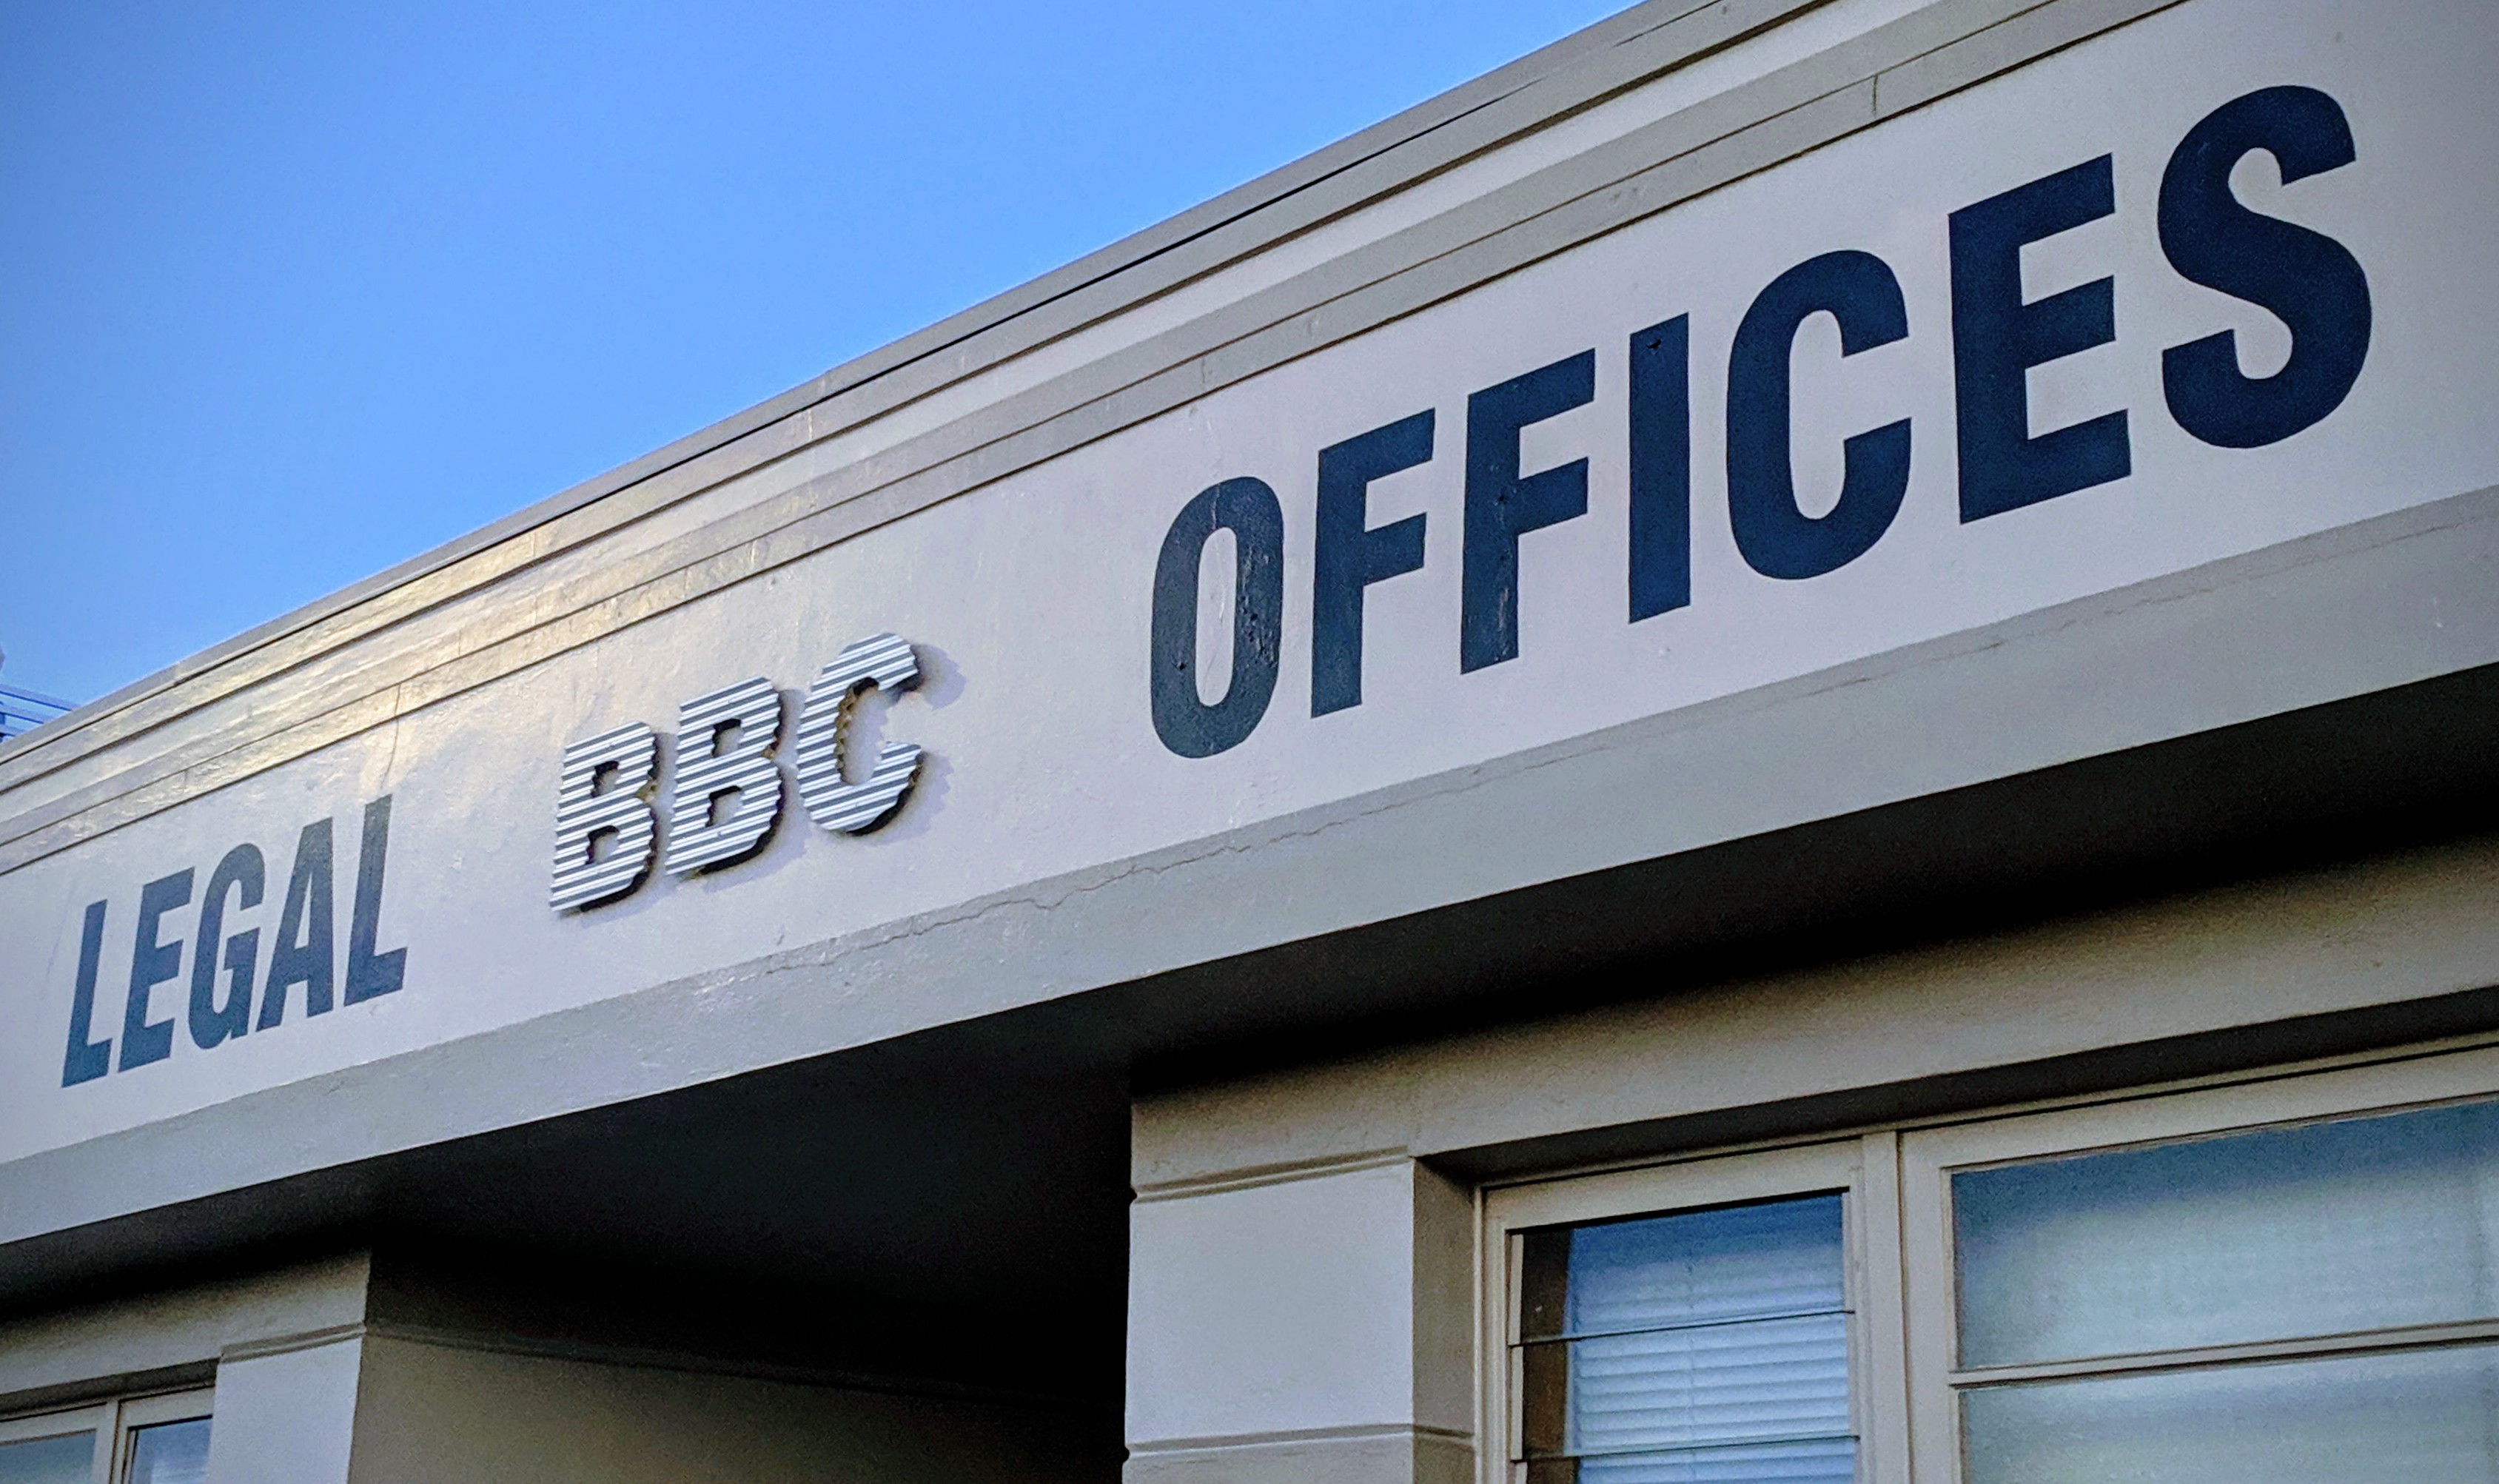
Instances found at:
x=292 y=292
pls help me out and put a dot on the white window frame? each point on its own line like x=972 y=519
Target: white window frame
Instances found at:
x=1929 y=1157
x=111 y=1422
x=148 y=1411
x=1864 y=1171
x=1897 y=1185
x=95 y=1419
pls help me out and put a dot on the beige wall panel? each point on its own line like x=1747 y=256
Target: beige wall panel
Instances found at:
x=432 y=1414
x=2375 y=933
x=85 y=1347
x=1312 y=1328
x=287 y=1417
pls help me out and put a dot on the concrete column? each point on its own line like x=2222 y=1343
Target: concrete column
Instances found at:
x=1311 y=1329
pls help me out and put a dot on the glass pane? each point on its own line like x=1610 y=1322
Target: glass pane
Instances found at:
x=2329 y=1228
x=1701 y=1345
x=172 y=1453
x=1684 y=1388
x=69 y=1458
x=1702 y=1267
x=2418 y=1417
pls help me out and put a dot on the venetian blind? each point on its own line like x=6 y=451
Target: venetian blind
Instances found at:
x=1696 y=1346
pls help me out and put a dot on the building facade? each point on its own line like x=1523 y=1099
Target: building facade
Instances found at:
x=1758 y=752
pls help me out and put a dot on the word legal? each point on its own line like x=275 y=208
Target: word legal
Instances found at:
x=305 y=952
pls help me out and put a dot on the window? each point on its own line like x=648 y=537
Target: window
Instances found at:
x=1702 y=1344
x=157 y=1439
x=169 y=1453
x=2289 y=1281
x=1688 y=1325
x=45 y=1456
x=55 y=1450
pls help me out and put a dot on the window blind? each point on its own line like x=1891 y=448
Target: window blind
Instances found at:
x=1696 y=1346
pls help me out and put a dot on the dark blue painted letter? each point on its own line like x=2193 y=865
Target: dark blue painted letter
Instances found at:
x=1997 y=338
x=1778 y=538
x=306 y=954
x=151 y=963
x=1348 y=555
x=211 y=1021
x=2309 y=281
x=87 y=1059
x=1501 y=507
x=1661 y=458
x=370 y=973
x=1186 y=724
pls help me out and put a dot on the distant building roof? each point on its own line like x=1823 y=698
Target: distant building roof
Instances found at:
x=23 y=711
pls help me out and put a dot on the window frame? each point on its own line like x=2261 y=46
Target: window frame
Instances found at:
x=113 y=1421
x=153 y=1410
x=1901 y=1284
x=1931 y=1156
x=96 y=1419
x=1862 y=1170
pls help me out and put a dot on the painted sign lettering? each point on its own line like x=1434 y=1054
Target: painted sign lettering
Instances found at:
x=303 y=952
x=2309 y=282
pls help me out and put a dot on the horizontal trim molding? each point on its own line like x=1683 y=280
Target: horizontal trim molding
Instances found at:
x=1352 y=1431
x=1270 y=1175
x=289 y=1345
x=1354 y=1455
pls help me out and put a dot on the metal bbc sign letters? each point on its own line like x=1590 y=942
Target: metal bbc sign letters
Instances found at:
x=727 y=794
